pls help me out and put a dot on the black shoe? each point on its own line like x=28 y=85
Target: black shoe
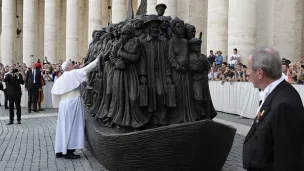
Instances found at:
x=40 y=109
x=10 y=123
x=59 y=155
x=35 y=110
x=6 y=107
x=29 y=110
x=70 y=155
x=19 y=122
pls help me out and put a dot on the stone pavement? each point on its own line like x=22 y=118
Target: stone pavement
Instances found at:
x=30 y=146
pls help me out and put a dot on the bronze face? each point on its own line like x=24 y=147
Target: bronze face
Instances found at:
x=154 y=29
x=179 y=28
x=161 y=11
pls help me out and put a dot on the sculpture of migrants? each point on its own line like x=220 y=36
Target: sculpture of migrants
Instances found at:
x=151 y=107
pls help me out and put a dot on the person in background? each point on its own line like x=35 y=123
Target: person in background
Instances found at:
x=32 y=85
x=58 y=74
x=220 y=76
x=229 y=73
x=224 y=65
x=275 y=141
x=293 y=73
x=235 y=57
x=285 y=71
x=47 y=76
x=14 y=81
x=218 y=59
x=245 y=76
x=213 y=73
x=300 y=77
x=40 y=90
x=238 y=74
x=211 y=57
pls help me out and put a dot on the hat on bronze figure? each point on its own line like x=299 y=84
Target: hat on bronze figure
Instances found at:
x=161 y=5
x=151 y=18
x=194 y=40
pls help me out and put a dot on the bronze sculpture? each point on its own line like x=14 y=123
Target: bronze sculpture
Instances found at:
x=150 y=91
x=124 y=108
x=155 y=72
x=165 y=29
x=167 y=69
x=199 y=68
x=179 y=60
x=161 y=9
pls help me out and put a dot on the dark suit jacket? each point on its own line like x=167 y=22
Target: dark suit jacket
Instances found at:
x=13 y=84
x=275 y=141
x=29 y=79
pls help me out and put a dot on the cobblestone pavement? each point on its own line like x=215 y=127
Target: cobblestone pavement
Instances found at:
x=4 y=112
x=30 y=146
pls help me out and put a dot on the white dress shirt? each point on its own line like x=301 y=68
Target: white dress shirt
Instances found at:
x=264 y=94
x=34 y=75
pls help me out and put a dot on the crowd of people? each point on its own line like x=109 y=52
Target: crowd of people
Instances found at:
x=49 y=71
x=34 y=77
x=293 y=72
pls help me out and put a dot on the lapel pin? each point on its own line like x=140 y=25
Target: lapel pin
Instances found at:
x=262 y=113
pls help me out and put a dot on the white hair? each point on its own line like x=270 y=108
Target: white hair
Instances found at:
x=268 y=59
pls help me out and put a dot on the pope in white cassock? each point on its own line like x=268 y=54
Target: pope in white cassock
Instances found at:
x=66 y=97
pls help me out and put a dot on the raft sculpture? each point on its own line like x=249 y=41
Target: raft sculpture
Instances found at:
x=148 y=102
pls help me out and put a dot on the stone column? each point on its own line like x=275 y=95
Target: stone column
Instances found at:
x=82 y=47
x=242 y=27
x=138 y=3
x=287 y=35
x=217 y=31
x=95 y=16
x=29 y=29
x=50 y=30
x=8 y=31
x=105 y=13
x=171 y=7
x=151 y=4
x=72 y=27
x=119 y=10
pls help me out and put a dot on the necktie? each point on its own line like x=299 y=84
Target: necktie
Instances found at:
x=33 y=76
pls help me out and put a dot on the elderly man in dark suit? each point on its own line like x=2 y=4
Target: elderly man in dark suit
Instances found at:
x=32 y=85
x=275 y=141
x=14 y=80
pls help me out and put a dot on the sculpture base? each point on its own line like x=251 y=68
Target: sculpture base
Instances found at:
x=203 y=145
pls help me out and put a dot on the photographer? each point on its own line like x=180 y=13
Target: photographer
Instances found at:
x=47 y=76
x=14 y=79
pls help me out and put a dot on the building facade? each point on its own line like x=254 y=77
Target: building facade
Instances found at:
x=61 y=29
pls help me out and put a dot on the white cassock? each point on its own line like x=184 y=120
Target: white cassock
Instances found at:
x=66 y=96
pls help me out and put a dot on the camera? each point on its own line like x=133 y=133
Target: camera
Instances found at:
x=302 y=66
